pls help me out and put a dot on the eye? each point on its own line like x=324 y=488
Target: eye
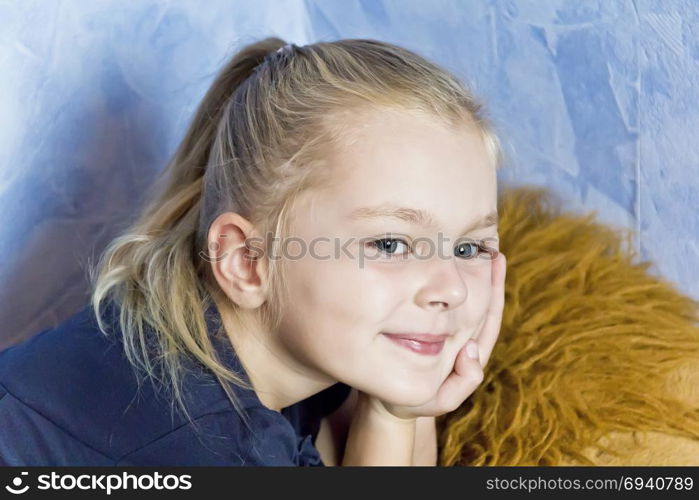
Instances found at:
x=388 y=245
x=470 y=249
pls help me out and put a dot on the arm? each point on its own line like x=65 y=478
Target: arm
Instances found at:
x=425 y=442
x=334 y=430
x=378 y=437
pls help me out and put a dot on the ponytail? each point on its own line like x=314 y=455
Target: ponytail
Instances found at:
x=151 y=271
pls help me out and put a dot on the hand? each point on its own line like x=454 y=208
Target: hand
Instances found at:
x=467 y=373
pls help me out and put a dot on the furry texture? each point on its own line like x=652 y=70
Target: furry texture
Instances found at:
x=597 y=362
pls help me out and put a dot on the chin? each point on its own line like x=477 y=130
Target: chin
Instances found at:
x=408 y=394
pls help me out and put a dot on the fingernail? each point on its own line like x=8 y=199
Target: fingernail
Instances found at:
x=471 y=350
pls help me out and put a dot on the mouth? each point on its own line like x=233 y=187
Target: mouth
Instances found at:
x=424 y=343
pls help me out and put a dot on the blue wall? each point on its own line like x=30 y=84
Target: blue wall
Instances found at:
x=596 y=99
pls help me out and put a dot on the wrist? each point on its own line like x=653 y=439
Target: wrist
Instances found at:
x=425 y=452
x=378 y=437
x=375 y=408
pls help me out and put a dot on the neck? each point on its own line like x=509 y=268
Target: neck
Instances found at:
x=278 y=378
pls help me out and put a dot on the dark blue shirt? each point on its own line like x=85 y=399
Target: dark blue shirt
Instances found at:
x=69 y=396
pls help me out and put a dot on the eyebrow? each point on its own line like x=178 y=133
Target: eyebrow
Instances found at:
x=417 y=217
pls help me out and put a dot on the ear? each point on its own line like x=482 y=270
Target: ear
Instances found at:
x=237 y=260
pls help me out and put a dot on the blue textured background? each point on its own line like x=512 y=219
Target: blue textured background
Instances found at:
x=596 y=99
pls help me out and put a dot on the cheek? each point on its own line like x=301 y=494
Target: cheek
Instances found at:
x=332 y=309
x=348 y=289
x=477 y=276
x=338 y=290
x=336 y=312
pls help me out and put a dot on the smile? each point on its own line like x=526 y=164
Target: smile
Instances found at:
x=431 y=348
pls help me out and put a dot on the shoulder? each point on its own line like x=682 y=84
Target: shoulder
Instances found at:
x=223 y=439
x=69 y=396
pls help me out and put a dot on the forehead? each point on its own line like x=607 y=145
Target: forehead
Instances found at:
x=407 y=158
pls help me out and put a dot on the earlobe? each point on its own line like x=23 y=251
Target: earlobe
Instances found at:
x=238 y=267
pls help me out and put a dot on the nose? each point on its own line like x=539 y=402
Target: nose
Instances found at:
x=444 y=288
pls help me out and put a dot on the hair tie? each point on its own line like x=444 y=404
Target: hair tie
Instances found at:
x=285 y=47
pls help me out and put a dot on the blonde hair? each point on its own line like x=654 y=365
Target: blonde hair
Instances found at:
x=258 y=139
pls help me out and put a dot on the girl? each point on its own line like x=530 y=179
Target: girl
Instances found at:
x=315 y=279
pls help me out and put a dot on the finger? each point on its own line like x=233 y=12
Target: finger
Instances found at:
x=490 y=331
x=461 y=382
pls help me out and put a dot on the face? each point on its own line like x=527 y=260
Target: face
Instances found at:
x=365 y=272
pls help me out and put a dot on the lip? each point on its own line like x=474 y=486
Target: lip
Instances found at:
x=420 y=337
x=422 y=343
